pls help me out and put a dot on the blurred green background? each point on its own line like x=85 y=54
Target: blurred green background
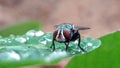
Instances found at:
x=102 y=16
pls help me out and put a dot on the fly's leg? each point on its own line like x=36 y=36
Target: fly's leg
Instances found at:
x=53 y=45
x=66 y=44
x=79 y=40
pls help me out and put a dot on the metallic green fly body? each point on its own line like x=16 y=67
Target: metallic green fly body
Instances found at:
x=65 y=33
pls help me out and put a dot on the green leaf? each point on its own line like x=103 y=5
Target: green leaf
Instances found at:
x=106 y=56
x=34 y=48
x=20 y=28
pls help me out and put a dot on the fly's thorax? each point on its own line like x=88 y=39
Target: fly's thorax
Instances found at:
x=65 y=26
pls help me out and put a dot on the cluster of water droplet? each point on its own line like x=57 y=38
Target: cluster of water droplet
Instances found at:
x=39 y=46
x=16 y=47
x=31 y=37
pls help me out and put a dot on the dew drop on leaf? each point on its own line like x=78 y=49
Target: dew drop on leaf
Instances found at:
x=31 y=33
x=39 y=33
x=20 y=39
x=9 y=55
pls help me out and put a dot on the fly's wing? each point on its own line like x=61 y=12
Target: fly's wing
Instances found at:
x=56 y=26
x=80 y=28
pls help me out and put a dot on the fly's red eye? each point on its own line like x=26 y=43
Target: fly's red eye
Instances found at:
x=66 y=34
x=55 y=33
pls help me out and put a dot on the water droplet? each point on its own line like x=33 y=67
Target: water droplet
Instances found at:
x=39 y=33
x=75 y=42
x=56 y=55
x=43 y=42
x=82 y=52
x=11 y=36
x=9 y=55
x=3 y=41
x=9 y=41
x=94 y=47
x=79 y=50
x=49 y=40
x=31 y=33
x=13 y=55
x=27 y=38
x=89 y=44
x=73 y=53
x=20 y=39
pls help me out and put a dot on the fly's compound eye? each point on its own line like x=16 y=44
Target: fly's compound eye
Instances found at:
x=55 y=33
x=66 y=34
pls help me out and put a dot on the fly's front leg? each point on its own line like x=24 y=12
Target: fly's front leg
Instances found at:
x=53 y=45
x=79 y=40
x=66 y=44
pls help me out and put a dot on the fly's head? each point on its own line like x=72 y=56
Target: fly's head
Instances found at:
x=61 y=35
